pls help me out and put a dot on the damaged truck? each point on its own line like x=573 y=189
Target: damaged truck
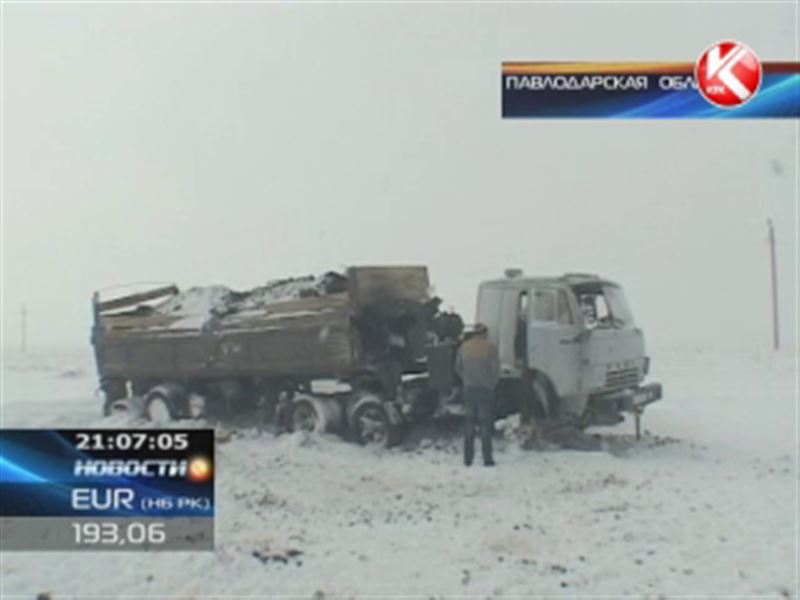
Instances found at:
x=369 y=352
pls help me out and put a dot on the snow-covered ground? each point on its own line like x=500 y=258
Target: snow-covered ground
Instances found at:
x=706 y=505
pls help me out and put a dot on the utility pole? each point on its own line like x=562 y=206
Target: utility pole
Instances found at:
x=776 y=340
x=24 y=328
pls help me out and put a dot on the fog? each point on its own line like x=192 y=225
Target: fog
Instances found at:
x=239 y=143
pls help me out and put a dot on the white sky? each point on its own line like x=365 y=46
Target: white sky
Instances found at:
x=239 y=143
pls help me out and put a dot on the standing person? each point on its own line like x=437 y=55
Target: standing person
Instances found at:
x=478 y=364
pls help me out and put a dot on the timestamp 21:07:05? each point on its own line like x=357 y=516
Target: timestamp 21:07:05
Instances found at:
x=135 y=440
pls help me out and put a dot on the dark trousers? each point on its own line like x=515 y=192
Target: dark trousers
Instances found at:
x=479 y=405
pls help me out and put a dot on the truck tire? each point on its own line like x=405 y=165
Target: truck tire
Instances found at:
x=158 y=408
x=314 y=415
x=371 y=423
x=116 y=406
x=545 y=401
x=163 y=403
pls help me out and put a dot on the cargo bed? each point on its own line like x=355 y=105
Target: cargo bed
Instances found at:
x=311 y=336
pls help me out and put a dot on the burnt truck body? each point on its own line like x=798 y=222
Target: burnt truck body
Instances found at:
x=374 y=335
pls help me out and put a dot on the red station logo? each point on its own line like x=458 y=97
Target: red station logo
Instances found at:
x=728 y=74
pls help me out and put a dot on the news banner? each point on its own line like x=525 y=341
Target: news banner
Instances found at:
x=106 y=489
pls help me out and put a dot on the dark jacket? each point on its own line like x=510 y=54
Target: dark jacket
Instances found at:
x=478 y=363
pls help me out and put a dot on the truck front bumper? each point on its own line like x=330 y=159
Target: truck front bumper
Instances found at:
x=634 y=400
x=607 y=409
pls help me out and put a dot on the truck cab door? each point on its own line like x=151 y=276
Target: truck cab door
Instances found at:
x=553 y=339
x=498 y=310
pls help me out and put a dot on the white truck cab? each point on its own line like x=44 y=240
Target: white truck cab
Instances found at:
x=571 y=343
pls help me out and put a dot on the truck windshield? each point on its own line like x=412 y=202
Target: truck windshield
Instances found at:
x=604 y=307
x=618 y=307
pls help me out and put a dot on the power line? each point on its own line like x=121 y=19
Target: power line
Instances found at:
x=776 y=340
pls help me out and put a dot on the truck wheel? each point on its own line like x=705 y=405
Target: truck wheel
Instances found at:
x=371 y=424
x=544 y=402
x=314 y=415
x=116 y=407
x=159 y=407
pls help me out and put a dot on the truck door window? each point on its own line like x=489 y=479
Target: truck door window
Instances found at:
x=563 y=312
x=544 y=305
x=594 y=309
